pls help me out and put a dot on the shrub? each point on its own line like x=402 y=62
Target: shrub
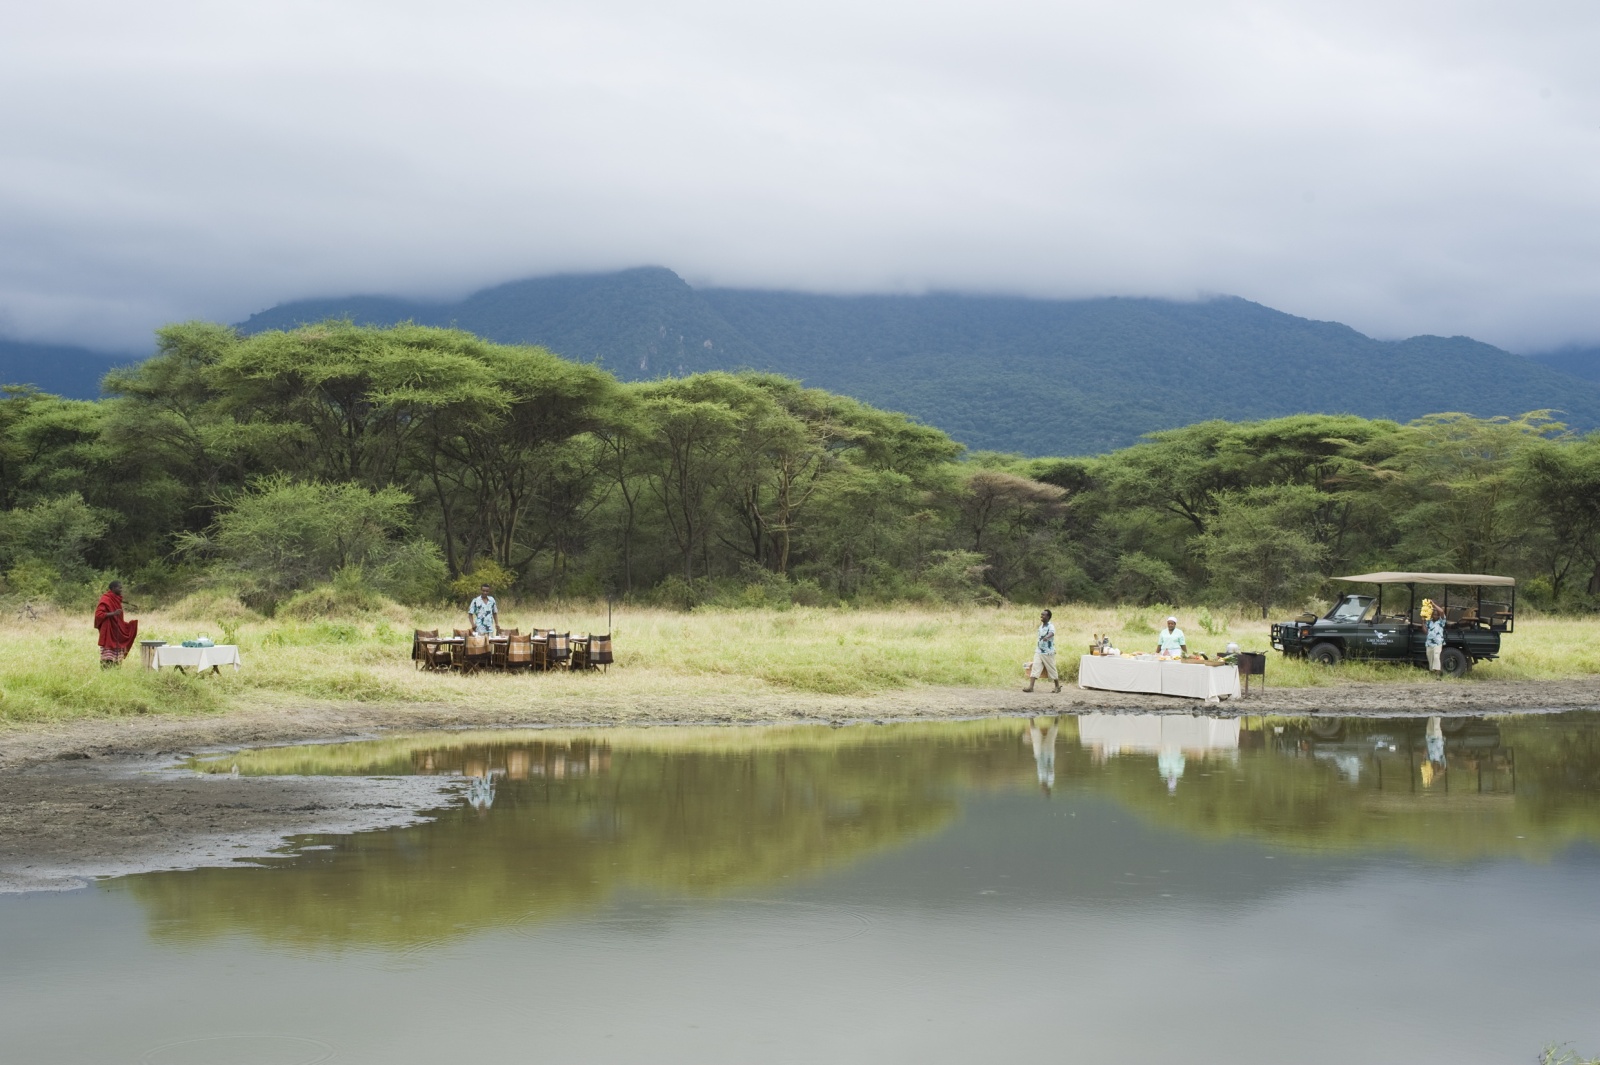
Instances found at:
x=284 y=535
x=348 y=595
x=484 y=571
x=415 y=574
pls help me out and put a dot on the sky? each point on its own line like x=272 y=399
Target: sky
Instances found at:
x=1403 y=167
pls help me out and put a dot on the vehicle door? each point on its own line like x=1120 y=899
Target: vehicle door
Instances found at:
x=1381 y=637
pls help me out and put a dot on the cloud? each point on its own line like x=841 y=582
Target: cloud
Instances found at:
x=1406 y=168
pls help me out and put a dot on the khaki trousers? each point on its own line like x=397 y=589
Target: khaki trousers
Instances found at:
x=1044 y=665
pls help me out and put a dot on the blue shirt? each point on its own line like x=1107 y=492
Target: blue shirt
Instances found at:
x=1047 y=639
x=483 y=610
x=1171 y=642
x=1435 y=633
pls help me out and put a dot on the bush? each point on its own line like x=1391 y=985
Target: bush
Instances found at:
x=415 y=574
x=484 y=571
x=218 y=605
x=957 y=577
x=284 y=535
x=31 y=578
x=348 y=595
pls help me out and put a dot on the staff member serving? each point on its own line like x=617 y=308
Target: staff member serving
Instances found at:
x=1171 y=641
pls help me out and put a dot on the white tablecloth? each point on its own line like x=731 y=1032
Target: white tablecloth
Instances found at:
x=1185 y=679
x=196 y=658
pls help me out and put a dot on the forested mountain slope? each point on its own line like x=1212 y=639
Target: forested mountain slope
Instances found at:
x=1035 y=376
x=65 y=371
x=1579 y=362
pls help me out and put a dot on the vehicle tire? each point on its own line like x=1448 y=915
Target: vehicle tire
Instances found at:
x=1453 y=662
x=1327 y=728
x=1326 y=654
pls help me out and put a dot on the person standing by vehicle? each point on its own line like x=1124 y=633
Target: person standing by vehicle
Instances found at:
x=485 y=613
x=1171 y=640
x=1044 y=655
x=1434 y=643
x=116 y=632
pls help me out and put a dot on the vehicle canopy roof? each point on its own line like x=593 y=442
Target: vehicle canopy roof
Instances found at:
x=1388 y=577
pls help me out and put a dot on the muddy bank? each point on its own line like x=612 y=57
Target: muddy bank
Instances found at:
x=98 y=798
x=62 y=826
x=99 y=738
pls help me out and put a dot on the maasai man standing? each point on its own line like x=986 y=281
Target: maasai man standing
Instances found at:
x=116 y=632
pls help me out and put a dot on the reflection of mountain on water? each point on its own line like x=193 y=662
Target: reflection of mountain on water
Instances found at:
x=564 y=822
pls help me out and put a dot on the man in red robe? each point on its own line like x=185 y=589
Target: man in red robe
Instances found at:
x=116 y=633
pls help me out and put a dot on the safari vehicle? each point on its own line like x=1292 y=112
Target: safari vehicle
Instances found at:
x=1361 y=626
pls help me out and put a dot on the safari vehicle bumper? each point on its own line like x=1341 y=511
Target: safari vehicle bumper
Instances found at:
x=1291 y=637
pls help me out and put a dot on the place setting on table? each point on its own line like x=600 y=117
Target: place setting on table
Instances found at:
x=510 y=650
x=199 y=654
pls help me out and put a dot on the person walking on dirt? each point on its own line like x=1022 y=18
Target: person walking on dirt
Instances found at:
x=1044 y=655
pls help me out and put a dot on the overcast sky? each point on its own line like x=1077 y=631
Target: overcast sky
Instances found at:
x=1405 y=167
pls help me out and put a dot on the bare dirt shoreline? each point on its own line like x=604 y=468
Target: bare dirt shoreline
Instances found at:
x=94 y=798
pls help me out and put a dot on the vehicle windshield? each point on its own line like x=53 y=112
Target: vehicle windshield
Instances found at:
x=1353 y=608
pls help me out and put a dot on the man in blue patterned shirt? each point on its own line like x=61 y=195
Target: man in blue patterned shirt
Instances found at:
x=485 y=613
x=1044 y=656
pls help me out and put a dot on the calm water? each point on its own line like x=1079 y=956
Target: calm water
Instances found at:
x=1100 y=889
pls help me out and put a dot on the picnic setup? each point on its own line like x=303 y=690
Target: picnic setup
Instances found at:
x=1173 y=669
x=509 y=651
x=1151 y=674
x=198 y=655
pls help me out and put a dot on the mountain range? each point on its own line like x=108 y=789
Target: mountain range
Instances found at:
x=1035 y=376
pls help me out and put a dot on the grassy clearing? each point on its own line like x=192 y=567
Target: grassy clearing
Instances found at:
x=49 y=669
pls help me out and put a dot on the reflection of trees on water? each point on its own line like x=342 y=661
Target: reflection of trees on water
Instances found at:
x=573 y=819
x=575 y=822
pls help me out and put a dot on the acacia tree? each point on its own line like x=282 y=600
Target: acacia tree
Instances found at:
x=1560 y=486
x=690 y=441
x=1452 y=483
x=1258 y=549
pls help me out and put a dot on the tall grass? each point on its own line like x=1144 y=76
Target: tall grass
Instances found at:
x=49 y=667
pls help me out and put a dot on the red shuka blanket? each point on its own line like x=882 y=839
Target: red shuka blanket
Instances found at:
x=115 y=632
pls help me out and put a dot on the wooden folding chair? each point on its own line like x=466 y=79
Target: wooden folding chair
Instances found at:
x=519 y=653
x=600 y=651
x=419 y=650
x=559 y=649
x=474 y=653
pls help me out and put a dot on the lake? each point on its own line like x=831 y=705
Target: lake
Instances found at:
x=1100 y=888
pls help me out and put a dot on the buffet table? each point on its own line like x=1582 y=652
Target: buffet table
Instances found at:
x=195 y=658
x=1152 y=676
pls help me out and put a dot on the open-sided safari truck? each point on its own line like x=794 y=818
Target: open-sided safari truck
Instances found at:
x=1364 y=626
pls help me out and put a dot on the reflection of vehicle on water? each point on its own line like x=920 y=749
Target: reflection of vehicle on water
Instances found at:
x=1460 y=754
x=1362 y=626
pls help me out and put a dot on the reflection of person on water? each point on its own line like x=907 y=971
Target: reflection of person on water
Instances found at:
x=480 y=791
x=1170 y=763
x=1044 y=752
x=1434 y=767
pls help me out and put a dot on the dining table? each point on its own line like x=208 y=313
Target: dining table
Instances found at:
x=199 y=659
